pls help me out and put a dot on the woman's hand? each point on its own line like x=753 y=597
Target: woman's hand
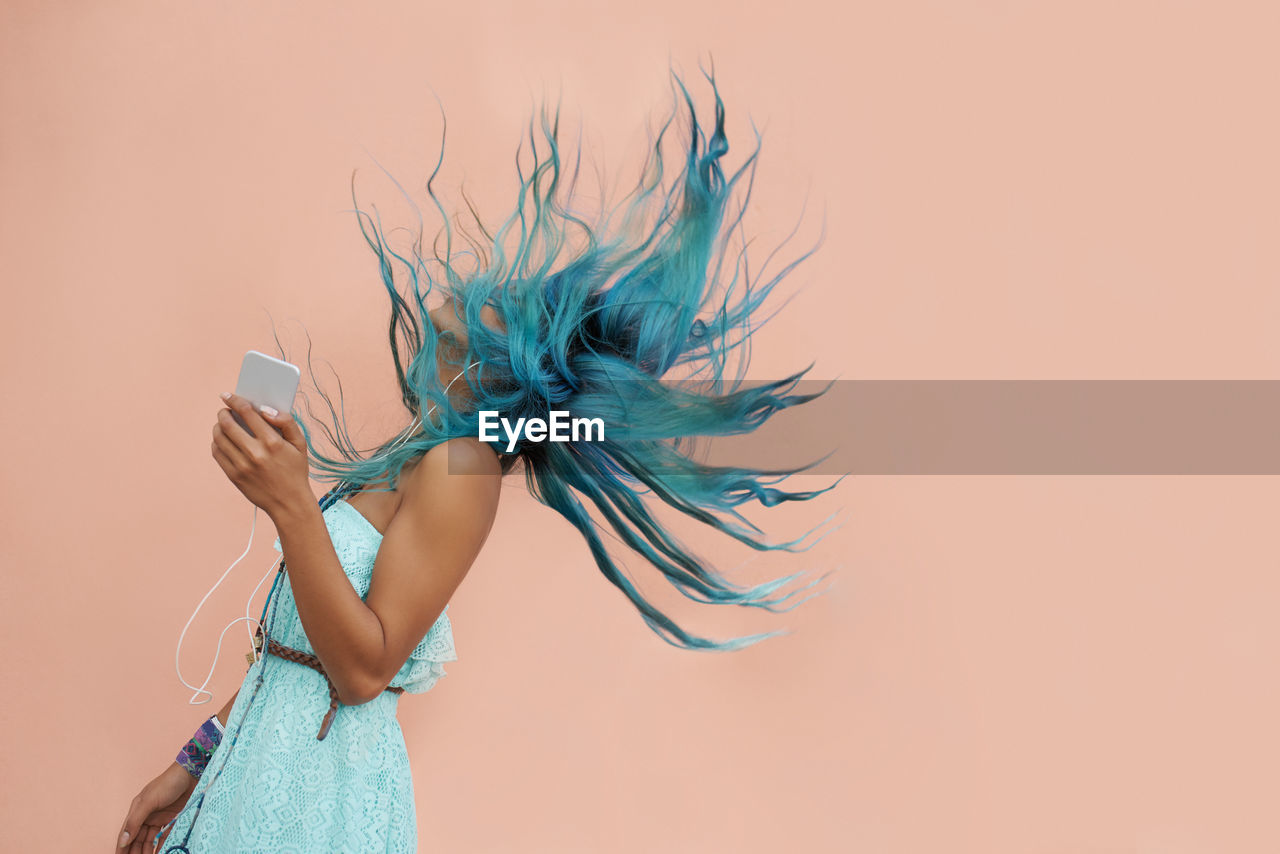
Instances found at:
x=270 y=466
x=153 y=808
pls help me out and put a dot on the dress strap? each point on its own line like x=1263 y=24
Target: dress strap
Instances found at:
x=306 y=658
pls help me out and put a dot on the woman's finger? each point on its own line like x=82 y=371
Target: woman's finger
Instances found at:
x=228 y=468
x=262 y=431
x=149 y=840
x=138 y=811
x=230 y=451
x=288 y=428
x=145 y=834
x=135 y=841
x=235 y=434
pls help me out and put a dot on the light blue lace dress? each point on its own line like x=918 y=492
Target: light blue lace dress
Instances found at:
x=272 y=786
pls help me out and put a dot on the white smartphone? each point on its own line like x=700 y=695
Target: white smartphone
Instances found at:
x=266 y=381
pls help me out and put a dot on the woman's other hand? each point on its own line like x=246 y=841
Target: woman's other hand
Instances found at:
x=270 y=466
x=153 y=808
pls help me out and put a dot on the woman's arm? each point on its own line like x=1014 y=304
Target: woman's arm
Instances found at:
x=449 y=502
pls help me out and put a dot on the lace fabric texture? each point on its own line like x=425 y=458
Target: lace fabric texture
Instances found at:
x=277 y=788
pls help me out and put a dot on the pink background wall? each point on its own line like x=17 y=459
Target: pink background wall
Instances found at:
x=1009 y=664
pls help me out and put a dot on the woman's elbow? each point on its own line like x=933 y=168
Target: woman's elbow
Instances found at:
x=358 y=689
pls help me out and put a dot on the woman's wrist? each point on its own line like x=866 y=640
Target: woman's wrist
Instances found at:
x=176 y=771
x=195 y=754
x=289 y=512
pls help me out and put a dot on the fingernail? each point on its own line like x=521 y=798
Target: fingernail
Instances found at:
x=225 y=395
x=270 y=410
x=124 y=839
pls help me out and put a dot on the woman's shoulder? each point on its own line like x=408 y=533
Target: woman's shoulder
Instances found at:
x=462 y=455
x=453 y=491
x=458 y=474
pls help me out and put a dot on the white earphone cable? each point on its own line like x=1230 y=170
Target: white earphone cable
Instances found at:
x=177 y=659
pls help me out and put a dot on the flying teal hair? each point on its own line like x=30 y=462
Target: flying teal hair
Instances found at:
x=640 y=318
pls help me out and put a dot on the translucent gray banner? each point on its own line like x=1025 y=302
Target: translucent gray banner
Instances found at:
x=1014 y=427
x=1081 y=427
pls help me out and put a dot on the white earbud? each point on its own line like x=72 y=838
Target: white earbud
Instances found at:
x=177 y=658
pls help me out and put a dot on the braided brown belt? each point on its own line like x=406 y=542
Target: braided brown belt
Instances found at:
x=290 y=654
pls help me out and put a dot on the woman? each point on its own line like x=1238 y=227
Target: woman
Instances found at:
x=633 y=323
